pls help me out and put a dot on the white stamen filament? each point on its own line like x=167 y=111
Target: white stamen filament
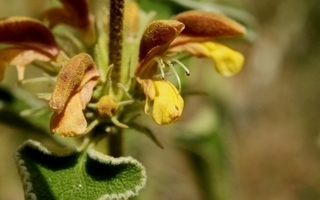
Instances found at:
x=175 y=73
x=161 y=65
x=181 y=65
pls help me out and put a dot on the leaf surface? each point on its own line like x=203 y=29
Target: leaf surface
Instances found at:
x=72 y=174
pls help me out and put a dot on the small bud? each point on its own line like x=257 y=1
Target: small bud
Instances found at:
x=131 y=18
x=106 y=106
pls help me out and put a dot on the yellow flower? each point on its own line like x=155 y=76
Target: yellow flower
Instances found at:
x=167 y=101
x=193 y=32
x=201 y=28
x=168 y=104
x=227 y=61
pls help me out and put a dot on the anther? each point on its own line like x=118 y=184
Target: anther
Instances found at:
x=182 y=65
x=175 y=73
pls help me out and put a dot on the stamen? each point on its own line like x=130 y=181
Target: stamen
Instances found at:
x=175 y=73
x=161 y=66
x=182 y=65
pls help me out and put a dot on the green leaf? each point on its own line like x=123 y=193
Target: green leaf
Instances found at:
x=72 y=174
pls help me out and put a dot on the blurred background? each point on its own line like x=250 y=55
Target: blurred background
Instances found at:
x=252 y=136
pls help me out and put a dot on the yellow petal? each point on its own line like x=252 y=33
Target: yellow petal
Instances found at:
x=227 y=61
x=168 y=104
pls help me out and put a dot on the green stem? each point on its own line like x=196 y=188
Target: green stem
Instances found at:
x=115 y=40
x=116 y=144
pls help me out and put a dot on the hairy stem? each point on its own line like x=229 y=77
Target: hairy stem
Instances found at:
x=116 y=144
x=115 y=56
x=115 y=39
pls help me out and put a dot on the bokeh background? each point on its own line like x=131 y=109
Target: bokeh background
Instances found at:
x=252 y=136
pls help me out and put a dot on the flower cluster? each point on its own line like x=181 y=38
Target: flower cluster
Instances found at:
x=82 y=86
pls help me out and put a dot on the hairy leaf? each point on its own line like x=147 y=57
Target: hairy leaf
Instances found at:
x=77 y=175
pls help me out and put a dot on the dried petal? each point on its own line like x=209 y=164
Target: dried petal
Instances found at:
x=149 y=91
x=155 y=41
x=20 y=58
x=168 y=104
x=71 y=122
x=106 y=106
x=72 y=79
x=147 y=87
x=72 y=93
x=29 y=33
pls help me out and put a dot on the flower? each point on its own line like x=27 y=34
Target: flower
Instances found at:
x=74 y=13
x=30 y=40
x=193 y=32
x=197 y=38
x=72 y=92
x=167 y=102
